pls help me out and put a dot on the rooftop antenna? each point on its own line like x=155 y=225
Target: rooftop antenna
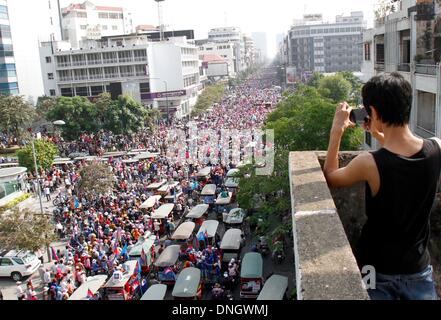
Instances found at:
x=160 y=18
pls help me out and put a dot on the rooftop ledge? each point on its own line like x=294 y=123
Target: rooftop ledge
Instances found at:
x=326 y=268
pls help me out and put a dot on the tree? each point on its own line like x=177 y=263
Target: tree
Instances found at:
x=384 y=8
x=125 y=115
x=45 y=152
x=102 y=104
x=44 y=105
x=314 y=81
x=211 y=95
x=15 y=114
x=95 y=178
x=335 y=88
x=78 y=113
x=25 y=230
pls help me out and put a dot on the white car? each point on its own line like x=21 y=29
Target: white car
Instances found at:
x=18 y=264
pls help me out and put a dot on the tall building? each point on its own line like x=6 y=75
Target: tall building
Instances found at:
x=232 y=35
x=161 y=74
x=87 y=21
x=261 y=44
x=25 y=42
x=8 y=74
x=408 y=41
x=316 y=46
x=225 y=50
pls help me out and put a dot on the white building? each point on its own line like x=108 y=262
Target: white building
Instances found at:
x=233 y=35
x=25 y=42
x=164 y=75
x=226 y=50
x=396 y=44
x=87 y=21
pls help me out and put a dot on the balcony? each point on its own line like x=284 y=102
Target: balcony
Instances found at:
x=64 y=64
x=428 y=69
x=110 y=61
x=127 y=74
x=79 y=63
x=111 y=75
x=326 y=225
x=141 y=59
x=94 y=62
x=379 y=66
x=125 y=60
x=403 y=67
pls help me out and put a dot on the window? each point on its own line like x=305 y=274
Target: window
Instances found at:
x=50 y=76
x=144 y=87
x=66 y=92
x=367 y=52
x=82 y=91
x=5 y=262
x=18 y=260
x=52 y=92
x=5 y=31
x=7 y=70
x=96 y=90
x=83 y=27
x=103 y=15
x=426 y=114
x=104 y=27
x=113 y=16
x=82 y=14
x=114 y=27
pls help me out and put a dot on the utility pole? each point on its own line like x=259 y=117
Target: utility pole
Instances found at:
x=160 y=18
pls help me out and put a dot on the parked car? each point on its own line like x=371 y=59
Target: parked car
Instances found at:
x=18 y=264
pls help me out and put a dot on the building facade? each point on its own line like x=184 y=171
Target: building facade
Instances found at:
x=8 y=72
x=226 y=50
x=315 y=46
x=231 y=35
x=86 y=21
x=409 y=42
x=164 y=75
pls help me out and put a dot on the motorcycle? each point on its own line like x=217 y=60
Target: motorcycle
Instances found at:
x=278 y=256
x=263 y=247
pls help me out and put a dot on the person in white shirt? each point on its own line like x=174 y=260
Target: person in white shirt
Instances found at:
x=47 y=193
x=19 y=291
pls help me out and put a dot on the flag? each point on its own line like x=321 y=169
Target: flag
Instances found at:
x=124 y=250
x=54 y=254
x=90 y=294
x=143 y=258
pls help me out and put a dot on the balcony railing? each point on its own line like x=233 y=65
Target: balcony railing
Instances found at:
x=77 y=78
x=379 y=66
x=428 y=69
x=141 y=59
x=96 y=76
x=93 y=62
x=64 y=79
x=64 y=64
x=127 y=74
x=79 y=63
x=110 y=61
x=404 y=67
x=125 y=60
x=111 y=75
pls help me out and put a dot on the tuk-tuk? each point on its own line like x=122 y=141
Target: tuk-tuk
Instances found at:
x=188 y=285
x=166 y=260
x=223 y=203
x=156 y=185
x=162 y=213
x=184 y=232
x=208 y=231
x=92 y=284
x=209 y=193
x=150 y=202
x=203 y=173
x=164 y=190
x=234 y=218
x=231 y=246
x=155 y=293
x=118 y=289
x=251 y=276
x=145 y=243
x=274 y=289
x=197 y=213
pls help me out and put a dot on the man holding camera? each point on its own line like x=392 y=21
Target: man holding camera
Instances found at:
x=401 y=184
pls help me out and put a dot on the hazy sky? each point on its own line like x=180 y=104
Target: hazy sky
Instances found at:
x=272 y=17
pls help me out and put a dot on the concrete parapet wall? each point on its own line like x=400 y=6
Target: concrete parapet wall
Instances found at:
x=326 y=268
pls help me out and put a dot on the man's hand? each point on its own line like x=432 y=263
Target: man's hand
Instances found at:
x=341 y=118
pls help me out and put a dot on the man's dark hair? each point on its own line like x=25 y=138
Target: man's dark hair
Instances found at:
x=391 y=95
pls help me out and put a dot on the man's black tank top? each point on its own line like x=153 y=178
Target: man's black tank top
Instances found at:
x=395 y=238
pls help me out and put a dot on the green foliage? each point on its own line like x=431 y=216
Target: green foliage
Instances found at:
x=78 y=113
x=15 y=114
x=125 y=115
x=356 y=86
x=314 y=81
x=336 y=88
x=211 y=95
x=95 y=178
x=14 y=202
x=45 y=151
x=25 y=230
x=44 y=105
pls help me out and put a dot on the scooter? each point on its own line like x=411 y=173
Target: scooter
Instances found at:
x=278 y=256
x=263 y=247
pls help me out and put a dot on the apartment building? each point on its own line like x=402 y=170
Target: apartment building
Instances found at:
x=232 y=35
x=8 y=74
x=225 y=50
x=87 y=21
x=161 y=74
x=408 y=41
x=317 y=46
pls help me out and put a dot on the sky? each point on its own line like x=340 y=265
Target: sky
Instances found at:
x=273 y=17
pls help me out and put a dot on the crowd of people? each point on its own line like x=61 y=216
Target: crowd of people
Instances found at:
x=101 y=230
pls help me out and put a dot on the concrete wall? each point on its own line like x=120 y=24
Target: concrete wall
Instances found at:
x=326 y=268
